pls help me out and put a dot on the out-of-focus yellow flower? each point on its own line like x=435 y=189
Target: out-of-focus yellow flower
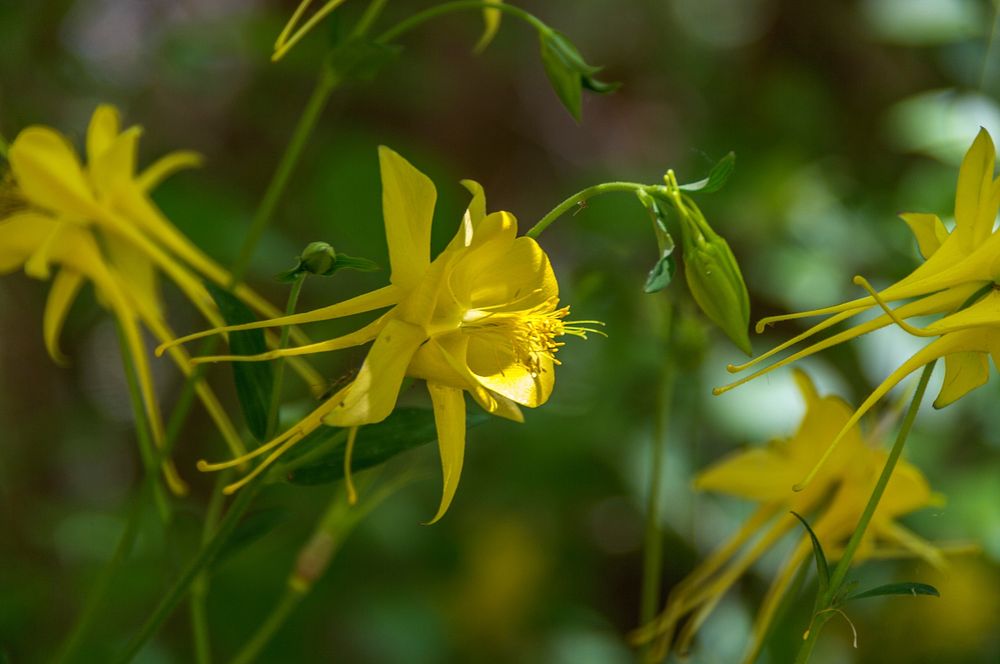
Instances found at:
x=483 y=317
x=959 y=279
x=97 y=223
x=834 y=501
x=292 y=33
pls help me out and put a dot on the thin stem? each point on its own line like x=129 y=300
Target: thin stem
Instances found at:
x=97 y=595
x=844 y=564
x=583 y=196
x=279 y=364
x=325 y=85
x=419 y=18
x=251 y=649
x=653 y=540
x=367 y=19
x=201 y=561
x=199 y=589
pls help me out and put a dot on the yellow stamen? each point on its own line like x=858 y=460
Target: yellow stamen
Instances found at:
x=286 y=40
x=915 y=331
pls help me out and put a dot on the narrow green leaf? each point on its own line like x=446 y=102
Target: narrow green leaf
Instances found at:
x=254 y=380
x=564 y=77
x=404 y=429
x=345 y=262
x=662 y=273
x=905 y=588
x=253 y=527
x=717 y=177
x=822 y=569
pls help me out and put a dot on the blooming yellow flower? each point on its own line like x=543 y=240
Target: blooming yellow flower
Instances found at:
x=835 y=499
x=483 y=317
x=958 y=278
x=98 y=224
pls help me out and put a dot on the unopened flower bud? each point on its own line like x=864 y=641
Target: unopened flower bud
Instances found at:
x=715 y=282
x=318 y=258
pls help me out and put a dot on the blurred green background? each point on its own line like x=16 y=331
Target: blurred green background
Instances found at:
x=841 y=113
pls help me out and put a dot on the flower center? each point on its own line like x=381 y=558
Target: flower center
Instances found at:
x=530 y=335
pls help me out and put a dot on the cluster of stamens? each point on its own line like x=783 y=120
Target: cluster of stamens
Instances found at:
x=531 y=335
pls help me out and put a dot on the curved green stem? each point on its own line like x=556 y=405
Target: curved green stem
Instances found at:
x=279 y=366
x=583 y=196
x=843 y=565
x=205 y=556
x=419 y=18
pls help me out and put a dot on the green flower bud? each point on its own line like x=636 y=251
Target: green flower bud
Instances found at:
x=568 y=72
x=714 y=279
x=318 y=258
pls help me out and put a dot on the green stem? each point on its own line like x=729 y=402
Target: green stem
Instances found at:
x=201 y=561
x=367 y=19
x=279 y=364
x=419 y=18
x=583 y=196
x=653 y=541
x=843 y=565
x=97 y=595
x=325 y=85
x=199 y=589
x=251 y=649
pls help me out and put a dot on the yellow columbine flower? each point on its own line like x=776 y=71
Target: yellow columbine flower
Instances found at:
x=292 y=33
x=959 y=278
x=98 y=224
x=836 y=500
x=483 y=317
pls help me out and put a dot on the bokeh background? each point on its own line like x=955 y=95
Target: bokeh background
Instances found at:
x=841 y=114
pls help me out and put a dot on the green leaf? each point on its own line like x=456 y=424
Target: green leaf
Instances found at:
x=563 y=75
x=254 y=380
x=905 y=588
x=345 y=262
x=717 y=177
x=822 y=569
x=404 y=429
x=568 y=72
x=253 y=527
x=662 y=273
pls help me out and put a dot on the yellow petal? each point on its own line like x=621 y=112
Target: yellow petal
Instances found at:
x=518 y=280
x=928 y=229
x=65 y=287
x=491 y=21
x=21 y=235
x=974 y=192
x=105 y=125
x=137 y=273
x=372 y=395
x=760 y=474
x=49 y=173
x=449 y=417
x=408 y=198
x=166 y=166
x=112 y=172
x=473 y=216
x=963 y=372
x=362 y=336
x=806 y=387
x=497 y=368
x=376 y=299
